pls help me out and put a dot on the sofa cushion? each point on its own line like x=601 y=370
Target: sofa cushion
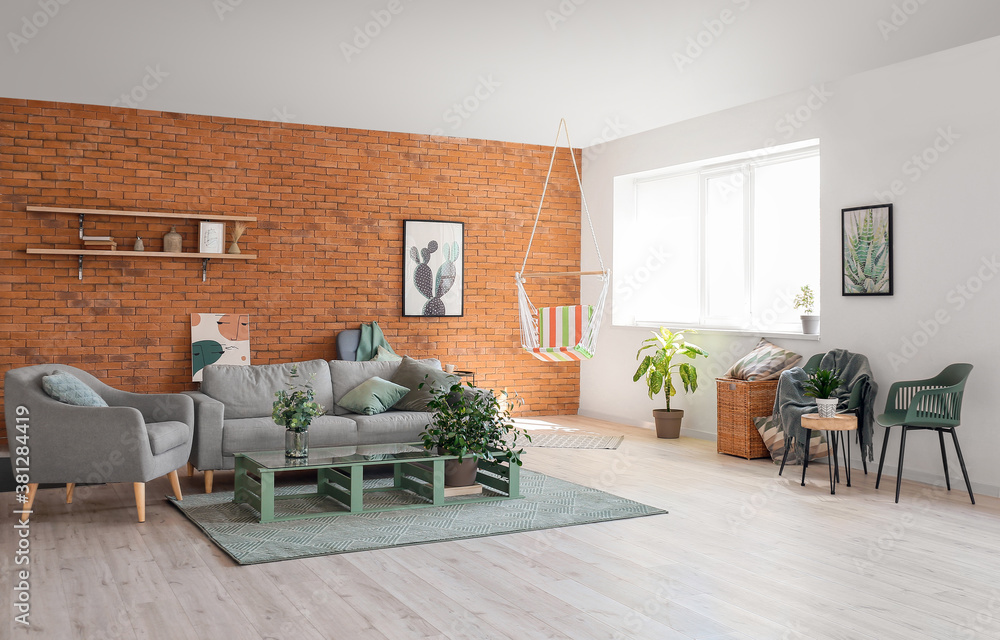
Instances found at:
x=392 y=426
x=261 y=434
x=67 y=388
x=372 y=396
x=384 y=355
x=347 y=374
x=164 y=436
x=248 y=391
x=411 y=374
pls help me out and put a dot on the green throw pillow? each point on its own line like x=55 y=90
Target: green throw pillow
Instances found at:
x=65 y=387
x=765 y=362
x=372 y=396
x=411 y=374
x=384 y=355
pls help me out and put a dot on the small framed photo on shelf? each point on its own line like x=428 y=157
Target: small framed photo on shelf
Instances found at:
x=211 y=237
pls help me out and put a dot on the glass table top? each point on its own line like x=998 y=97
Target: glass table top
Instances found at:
x=331 y=456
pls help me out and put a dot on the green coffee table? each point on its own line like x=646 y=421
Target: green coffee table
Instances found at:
x=417 y=473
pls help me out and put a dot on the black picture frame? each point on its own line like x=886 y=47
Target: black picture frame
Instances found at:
x=433 y=268
x=866 y=250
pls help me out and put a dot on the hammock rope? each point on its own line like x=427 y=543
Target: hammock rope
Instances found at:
x=568 y=333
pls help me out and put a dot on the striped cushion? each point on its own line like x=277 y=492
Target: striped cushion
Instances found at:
x=561 y=354
x=765 y=362
x=562 y=326
x=774 y=439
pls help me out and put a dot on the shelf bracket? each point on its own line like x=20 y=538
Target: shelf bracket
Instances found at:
x=204 y=269
x=81 y=227
x=80 y=263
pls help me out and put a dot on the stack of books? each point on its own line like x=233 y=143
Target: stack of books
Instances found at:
x=99 y=242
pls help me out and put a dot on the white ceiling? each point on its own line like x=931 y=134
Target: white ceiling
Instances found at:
x=610 y=68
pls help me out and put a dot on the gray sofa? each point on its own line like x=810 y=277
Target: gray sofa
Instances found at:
x=233 y=410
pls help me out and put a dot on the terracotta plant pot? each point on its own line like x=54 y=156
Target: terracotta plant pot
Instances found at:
x=460 y=474
x=668 y=422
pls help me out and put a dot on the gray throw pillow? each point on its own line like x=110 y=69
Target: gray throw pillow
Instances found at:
x=65 y=387
x=373 y=396
x=411 y=374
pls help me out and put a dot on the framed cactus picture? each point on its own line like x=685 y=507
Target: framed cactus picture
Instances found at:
x=866 y=238
x=433 y=253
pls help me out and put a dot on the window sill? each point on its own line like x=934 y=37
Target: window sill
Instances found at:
x=782 y=335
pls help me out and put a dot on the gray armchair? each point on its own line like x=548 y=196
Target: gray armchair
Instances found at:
x=137 y=438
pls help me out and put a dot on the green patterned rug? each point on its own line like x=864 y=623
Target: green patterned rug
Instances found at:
x=548 y=503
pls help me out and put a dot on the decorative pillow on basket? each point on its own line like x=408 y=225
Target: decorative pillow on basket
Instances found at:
x=765 y=362
x=373 y=396
x=67 y=388
x=774 y=439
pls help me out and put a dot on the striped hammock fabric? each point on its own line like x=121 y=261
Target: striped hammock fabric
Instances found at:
x=560 y=330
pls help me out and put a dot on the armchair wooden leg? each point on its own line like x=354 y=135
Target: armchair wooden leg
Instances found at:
x=140 y=499
x=175 y=485
x=209 y=477
x=190 y=469
x=69 y=492
x=32 y=489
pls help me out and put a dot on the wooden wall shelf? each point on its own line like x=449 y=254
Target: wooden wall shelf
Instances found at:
x=204 y=257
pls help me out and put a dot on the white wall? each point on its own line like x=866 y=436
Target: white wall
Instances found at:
x=946 y=232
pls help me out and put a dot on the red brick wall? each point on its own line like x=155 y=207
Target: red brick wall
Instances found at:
x=330 y=205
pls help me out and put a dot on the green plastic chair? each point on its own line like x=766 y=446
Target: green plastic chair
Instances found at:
x=934 y=404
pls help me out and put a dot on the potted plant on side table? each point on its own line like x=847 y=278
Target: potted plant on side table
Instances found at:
x=658 y=368
x=807 y=301
x=295 y=409
x=821 y=385
x=474 y=425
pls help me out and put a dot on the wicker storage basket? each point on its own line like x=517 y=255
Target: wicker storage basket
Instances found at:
x=740 y=401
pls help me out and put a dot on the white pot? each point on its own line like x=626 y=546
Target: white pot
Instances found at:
x=810 y=324
x=827 y=407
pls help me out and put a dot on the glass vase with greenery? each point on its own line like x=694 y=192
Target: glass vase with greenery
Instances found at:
x=294 y=408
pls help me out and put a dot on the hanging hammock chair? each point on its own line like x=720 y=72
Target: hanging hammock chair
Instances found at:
x=558 y=334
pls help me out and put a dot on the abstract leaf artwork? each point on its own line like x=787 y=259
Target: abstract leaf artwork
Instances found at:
x=432 y=268
x=218 y=338
x=867 y=250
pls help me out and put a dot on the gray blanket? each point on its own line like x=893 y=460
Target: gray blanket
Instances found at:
x=791 y=403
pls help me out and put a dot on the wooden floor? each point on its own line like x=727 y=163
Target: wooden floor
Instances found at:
x=742 y=554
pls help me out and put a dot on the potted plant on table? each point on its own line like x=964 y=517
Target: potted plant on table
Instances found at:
x=658 y=368
x=807 y=301
x=474 y=425
x=295 y=409
x=821 y=385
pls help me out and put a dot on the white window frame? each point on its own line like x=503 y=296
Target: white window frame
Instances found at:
x=747 y=163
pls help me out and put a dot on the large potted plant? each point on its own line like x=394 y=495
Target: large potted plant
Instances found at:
x=658 y=367
x=821 y=385
x=474 y=425
x=295 y=409
x=807 y=301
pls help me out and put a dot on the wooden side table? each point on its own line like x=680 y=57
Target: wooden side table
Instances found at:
x=833 y=427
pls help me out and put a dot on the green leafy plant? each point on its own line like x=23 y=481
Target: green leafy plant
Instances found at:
x=866 y=253
x=822 y=383
x=296 y=407
x=473 y=422
x=805 y=300
x=659 y=368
